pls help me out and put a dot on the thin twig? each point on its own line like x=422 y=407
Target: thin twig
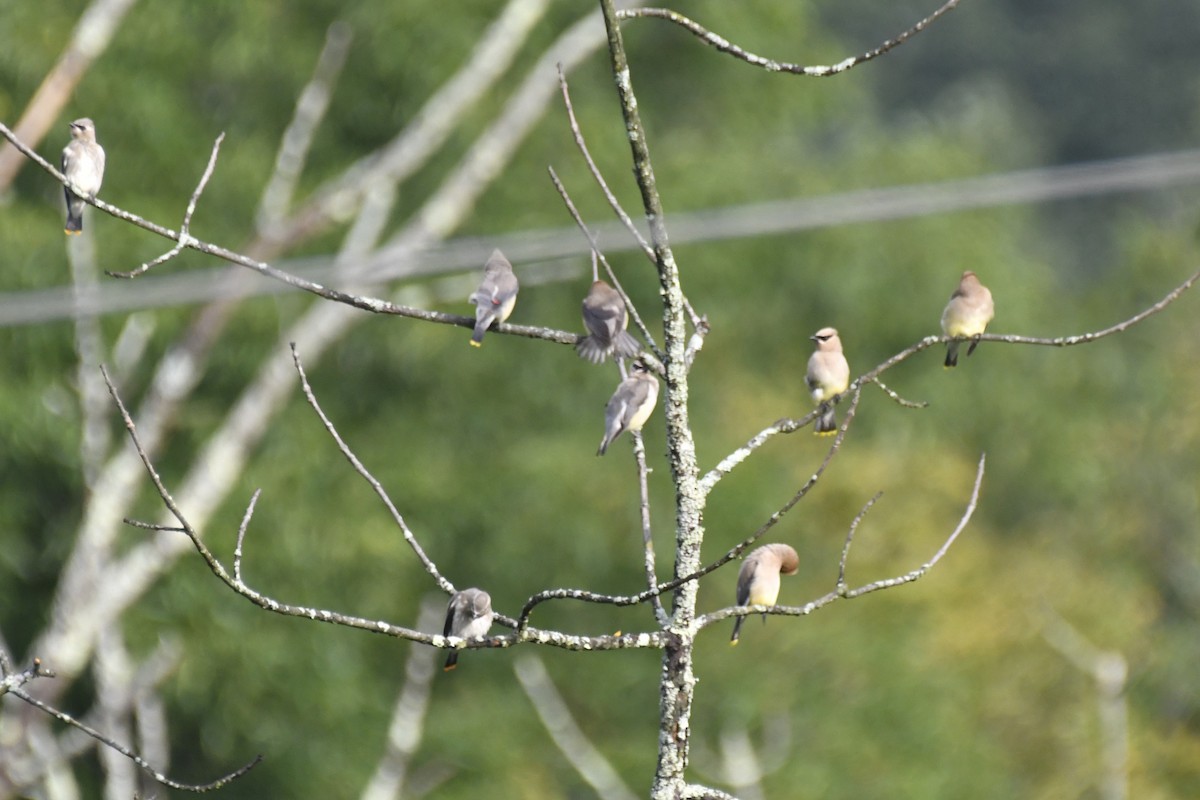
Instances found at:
x=15 y=680
x=725 y=46
x=184 y=236
x=241 y=534
x=855 y=392
x=575 y=215
x=639 y=454
x=897 y=398
x=132 y=756
x=409 y=537
x=841 y=579
x=613 y=202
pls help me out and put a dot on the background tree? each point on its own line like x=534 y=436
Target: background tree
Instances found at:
x=1089 y=504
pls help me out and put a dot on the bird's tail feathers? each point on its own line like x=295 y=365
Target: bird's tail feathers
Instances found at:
x=625 y=346
x=826 y=423
x=737 y=630
x=591 y=350
x=951 y=354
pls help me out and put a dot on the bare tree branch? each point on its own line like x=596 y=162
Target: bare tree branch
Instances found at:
x=713 y=40
x=639 y=454
x=12 y=683
x=613 y=203
x=730 y=461
x=234 y=582
x=105 y=589
x=840 y=591
x=187 y=219
x=409 y=537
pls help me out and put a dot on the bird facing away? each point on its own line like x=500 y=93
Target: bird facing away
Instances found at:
x=967 y=314
x=828 y=376
x=83 y=164
x=495 y=297
x=758 y=579
x=605 y=317
x=468 y=615
x=630 y=405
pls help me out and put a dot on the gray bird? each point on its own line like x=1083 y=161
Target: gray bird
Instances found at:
x=967 y=315
x=605 y=317
x=630 y=405
x=469 y=615
x=83 y=164
x=828 y=376
x=495 y=297
x=758 y=579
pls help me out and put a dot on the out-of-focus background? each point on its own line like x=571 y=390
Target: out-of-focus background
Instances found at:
x=949 y=688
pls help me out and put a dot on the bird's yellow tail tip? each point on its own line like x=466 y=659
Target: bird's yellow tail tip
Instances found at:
x=733 y=642
x=475 y=343
x=449 y=667
x=825 y=433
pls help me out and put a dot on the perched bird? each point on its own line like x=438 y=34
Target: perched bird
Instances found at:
x=468 y=615
x=605 y=317
x=83 y=164
x=495 y=297
x=758 y=579
x=967 y=314
x=828 y=376
x=630 y=405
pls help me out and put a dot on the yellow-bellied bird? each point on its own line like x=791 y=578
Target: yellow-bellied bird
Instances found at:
x=495 y=297
x=967 y=314
x=468 y=615
x=83 y=164
x=630 y=405
x=758 y=579
x=828 y=376
x=606 y=318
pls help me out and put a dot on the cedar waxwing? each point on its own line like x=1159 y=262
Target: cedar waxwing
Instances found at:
x=605 y=317
x=83 y=164
x=630 y=405
x=495 y=297
x=967 y=314
x=828 y=376
x=468 y=615
x=758 y=579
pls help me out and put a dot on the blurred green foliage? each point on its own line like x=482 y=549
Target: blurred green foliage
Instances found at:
x=944 y=689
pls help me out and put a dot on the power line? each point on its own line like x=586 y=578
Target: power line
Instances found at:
x=1133 y=174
